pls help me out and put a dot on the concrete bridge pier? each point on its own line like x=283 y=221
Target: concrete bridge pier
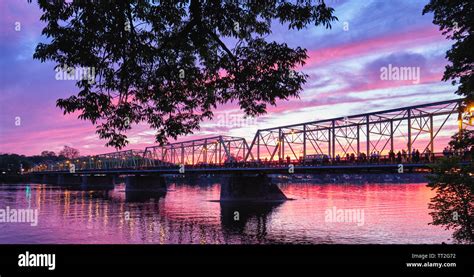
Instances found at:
x=97 y=182
x=252 y=188
x=200 y=179
x=235 y=215
x=49 y=179
x=145 y=183
x=35 y=178
x=68 y=179
x=117 y=179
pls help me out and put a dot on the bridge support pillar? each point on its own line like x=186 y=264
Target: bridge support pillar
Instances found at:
x=35 y=178
x=257 y=188
x=97 y=182
x=117 y=179
x=68 y=179
x=49 y=179
x=144 y=183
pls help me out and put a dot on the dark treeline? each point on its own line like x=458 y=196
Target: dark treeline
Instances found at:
x=11 y=164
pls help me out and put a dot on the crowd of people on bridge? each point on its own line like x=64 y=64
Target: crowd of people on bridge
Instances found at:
x=463 y=154
x=375 y=157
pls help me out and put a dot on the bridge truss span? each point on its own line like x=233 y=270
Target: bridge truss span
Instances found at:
x=426 y=127
x=408 y=128
x=211 y=150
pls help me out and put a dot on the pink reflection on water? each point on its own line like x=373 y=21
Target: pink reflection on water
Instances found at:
x=393 y=213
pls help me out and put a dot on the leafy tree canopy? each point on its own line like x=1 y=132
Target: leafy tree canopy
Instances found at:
x=453 y=204
x=47 y=153
x=170 y=63
x=69 y=152
x=453 y=181
x=463 y=141
x=456 y=20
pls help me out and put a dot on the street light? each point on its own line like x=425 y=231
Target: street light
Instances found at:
x=470 y=110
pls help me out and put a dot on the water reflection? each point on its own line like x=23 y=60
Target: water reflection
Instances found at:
x=141 y=196
x=394 y=213
x=241 y=218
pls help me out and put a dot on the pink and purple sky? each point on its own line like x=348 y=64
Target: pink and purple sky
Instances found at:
x=343 y=67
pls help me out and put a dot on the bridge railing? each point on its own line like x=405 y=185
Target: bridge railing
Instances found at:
x=324 y=161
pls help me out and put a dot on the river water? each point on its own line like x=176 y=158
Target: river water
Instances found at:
x=387 y=213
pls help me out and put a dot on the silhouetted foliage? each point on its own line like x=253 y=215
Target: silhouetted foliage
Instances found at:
x=453 y=182
x=170 y=63
x=456 y=20
x=463 y=142
x=12 y=163
x=69 y=152
x=48 y=154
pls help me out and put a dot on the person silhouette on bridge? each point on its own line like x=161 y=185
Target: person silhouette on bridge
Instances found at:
x=428 y=155
x=399 y=157
x=391 y=155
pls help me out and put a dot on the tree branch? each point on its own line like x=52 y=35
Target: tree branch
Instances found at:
x=221 y=44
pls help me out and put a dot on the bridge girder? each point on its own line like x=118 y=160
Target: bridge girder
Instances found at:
x=412 y=127
x=210 y=150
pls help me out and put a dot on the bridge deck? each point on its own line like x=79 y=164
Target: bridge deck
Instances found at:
x=263 y=169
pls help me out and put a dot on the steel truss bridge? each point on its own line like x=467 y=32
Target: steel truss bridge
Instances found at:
x=415 y=127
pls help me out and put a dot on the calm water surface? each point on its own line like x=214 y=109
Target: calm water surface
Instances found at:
x=393 y=214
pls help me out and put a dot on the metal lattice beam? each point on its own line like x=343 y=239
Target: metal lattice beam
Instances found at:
x=211 y=150
x=412 y=127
